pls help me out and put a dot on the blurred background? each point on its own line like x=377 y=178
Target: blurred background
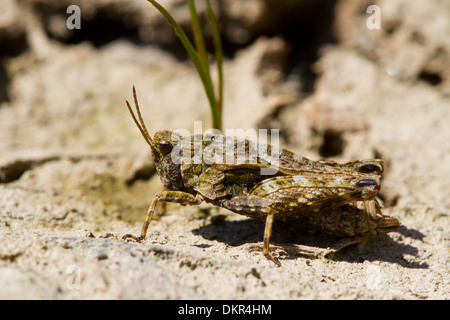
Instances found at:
x=71 y=157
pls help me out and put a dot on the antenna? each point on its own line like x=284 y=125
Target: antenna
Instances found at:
x=140 y=124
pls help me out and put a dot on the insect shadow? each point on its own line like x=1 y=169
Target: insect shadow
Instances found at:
x=233 y=233
x=314 y=245
x=385 y=248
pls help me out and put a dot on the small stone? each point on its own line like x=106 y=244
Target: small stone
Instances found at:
x=100 y=255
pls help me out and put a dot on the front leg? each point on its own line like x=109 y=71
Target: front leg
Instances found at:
x=180 y=197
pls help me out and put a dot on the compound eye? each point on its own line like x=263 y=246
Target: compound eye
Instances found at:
x=165 y=147
x=370 y=168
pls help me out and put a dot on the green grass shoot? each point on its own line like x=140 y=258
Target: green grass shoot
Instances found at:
x=199 y=55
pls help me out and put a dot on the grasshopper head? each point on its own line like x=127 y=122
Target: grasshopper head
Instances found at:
x=161 y=146
x=162 y=143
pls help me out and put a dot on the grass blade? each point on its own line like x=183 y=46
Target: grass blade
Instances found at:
x=219 y=54
x=216 y=109
x=199 y=66
x=198 y=35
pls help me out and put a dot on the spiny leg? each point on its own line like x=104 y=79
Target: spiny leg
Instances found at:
x=165 y=196
x=255 y=206
x=267 y=235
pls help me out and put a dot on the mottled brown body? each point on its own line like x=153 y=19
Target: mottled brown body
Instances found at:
x=361 y=219
x=301 y=194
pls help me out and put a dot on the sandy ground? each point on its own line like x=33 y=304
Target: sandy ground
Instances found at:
x=75 y=174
